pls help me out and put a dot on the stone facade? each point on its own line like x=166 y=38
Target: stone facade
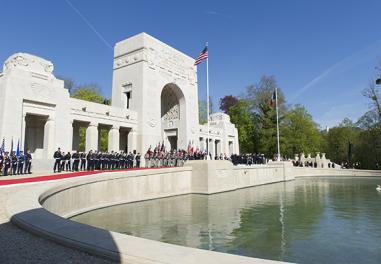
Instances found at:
x=154 y=99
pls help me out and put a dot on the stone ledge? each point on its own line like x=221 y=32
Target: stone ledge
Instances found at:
x=26 y=212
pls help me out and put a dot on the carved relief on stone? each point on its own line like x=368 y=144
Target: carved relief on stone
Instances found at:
x=40 y=90
x=170 y=105
x=173 y=113
x=152 y=121
x=30 y=63
x=17 y=61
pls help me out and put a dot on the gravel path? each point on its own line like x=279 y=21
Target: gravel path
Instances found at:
x=19 y=246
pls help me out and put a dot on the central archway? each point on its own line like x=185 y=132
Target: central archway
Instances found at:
x=172 y=116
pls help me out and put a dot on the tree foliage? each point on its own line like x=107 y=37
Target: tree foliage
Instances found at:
x=88 y=92
x=244 y=121
x=300 y=133
x=228 y=101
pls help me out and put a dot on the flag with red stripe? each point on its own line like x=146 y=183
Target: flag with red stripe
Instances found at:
x=203 y=56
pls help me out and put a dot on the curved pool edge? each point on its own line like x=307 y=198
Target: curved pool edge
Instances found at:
x=26 y=212
x=73 y=196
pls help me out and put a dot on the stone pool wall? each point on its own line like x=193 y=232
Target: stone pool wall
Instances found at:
x=42 y=208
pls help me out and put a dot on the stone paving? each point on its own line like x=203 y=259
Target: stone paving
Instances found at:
x=19 y=246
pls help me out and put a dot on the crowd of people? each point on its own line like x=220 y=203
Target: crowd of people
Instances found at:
x=248 y=159
x=94 y=160
x=15 y=163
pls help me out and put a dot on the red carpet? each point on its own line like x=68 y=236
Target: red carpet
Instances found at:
x=58 y=176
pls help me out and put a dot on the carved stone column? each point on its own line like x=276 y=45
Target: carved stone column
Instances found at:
x=132 y=138
x=113 y=139
x=92 y=137
x=49 y=137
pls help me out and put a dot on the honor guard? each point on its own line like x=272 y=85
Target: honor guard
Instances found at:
x=20 y=163
x=57 y=160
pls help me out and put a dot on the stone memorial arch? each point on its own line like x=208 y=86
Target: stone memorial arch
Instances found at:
x=173 y=109
x=154 y=99
x=158 y=82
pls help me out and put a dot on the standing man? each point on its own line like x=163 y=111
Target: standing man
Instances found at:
x=7 y=164
x=68 y=161
x=14 y=163
x=28 y=162
x=75 y=161
x=20 y=163
x=57 y=160
x=83 y=161
x=138 y=160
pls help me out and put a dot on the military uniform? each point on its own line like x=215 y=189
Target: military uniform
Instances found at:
x=7 y=164
x=28 y=162
x=20 y=164
x=57 y=160
x=76 y=158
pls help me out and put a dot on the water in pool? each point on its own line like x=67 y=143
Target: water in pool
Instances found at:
x=319 y=220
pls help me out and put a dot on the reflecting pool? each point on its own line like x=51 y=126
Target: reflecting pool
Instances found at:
x=318 y=220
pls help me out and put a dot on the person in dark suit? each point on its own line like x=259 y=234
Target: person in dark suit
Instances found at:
x=7 y=164
x=76 y=158
x=57 y=160
x=20 y=163
x=83 y=161
x=14 y=163
x=28 y=162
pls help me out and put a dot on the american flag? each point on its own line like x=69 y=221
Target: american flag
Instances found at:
x=273 y=99
x=2 y=148
x=203 y=56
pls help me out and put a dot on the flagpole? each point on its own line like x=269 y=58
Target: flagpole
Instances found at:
x=207 y=100
x=277 y=121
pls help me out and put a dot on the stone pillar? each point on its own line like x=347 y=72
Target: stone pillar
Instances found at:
x=212 y=148
x=49 y=137
x=132 y=138
x=219 y=151
x=71 y=135
x=23 y=135
x=75 y=143
x=113 y=139
x=91 y=137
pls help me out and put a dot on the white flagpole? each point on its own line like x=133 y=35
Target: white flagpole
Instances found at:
x=277 y=121
x=207 y=100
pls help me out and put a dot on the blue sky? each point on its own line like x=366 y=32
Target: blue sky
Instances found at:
x=323 y=53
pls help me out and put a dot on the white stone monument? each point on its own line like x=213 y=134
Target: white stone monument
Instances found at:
x=154 y=99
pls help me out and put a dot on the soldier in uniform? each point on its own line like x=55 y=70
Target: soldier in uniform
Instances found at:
x=68 y=161
x=28 y=162
x=89 y=160
x=146 y=159
x=57 y=160
x=83 y=161
x=138 y=160
x=20 y=163
x=76 y=158
x=7 y=164
x=1 y=162
x=14 y=163
x=63 y=161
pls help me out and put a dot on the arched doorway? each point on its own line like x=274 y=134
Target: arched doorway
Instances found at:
x=172 y=115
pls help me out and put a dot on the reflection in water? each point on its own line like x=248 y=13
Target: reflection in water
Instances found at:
x=321 y=220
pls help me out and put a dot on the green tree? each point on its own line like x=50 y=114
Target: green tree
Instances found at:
x=202 y=112
x=88 y=92
x=244 y=122
x=259 y=97
x=228 y=101
x=338 y=139
x=300 y=133
x=91 y=93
